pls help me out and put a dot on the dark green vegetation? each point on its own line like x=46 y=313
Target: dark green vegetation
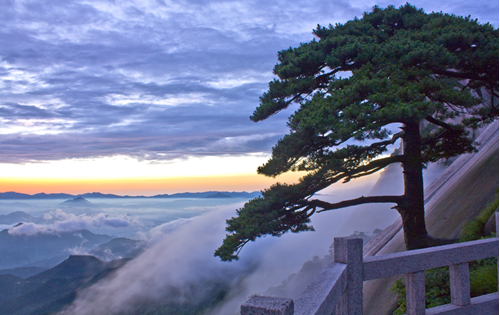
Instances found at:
x=477 y=228
x=406 y=67
x=483 y=280
x=51 y=290
x=483 y=273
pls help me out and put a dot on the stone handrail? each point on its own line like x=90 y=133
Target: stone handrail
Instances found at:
x=338 y=289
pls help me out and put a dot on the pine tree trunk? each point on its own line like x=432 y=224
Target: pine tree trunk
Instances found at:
x=412 y=211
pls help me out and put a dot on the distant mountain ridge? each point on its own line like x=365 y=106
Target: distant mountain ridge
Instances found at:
x=210 y=194
x=52 y=291
x=15 y=217
x=219 y=195
x=48 y=292
x=44 y=249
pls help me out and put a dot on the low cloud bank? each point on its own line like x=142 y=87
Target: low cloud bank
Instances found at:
x=179 y=264
x=61 y=221
x=157 y=233
x=172 y=268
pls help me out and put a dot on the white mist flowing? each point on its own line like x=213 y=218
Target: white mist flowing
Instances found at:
x=181 y=257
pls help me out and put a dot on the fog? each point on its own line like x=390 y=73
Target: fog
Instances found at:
x=178 y=265
x=61 y=221
x=181 y=258
x=133 y=218
x=183 y=261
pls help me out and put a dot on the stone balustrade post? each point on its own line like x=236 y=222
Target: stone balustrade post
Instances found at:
x=415 y=293
x=460 y=284
x=349 y=250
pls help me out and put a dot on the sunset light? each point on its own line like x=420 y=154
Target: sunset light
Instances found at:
x=132 y=133
x=127 y=176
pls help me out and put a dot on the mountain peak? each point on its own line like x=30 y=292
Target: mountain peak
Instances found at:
x=76 y=202
x=219 y=195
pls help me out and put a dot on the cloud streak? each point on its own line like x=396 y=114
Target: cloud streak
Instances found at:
x=61 y=221
x=152 y=79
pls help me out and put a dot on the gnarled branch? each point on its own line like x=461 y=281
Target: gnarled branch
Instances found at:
x=439 y=123
x=354 y=202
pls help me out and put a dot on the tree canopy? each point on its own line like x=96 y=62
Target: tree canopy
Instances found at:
x=393 y=66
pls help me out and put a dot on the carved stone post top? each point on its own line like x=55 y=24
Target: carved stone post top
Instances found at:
x=347 y=248
x=267 y=305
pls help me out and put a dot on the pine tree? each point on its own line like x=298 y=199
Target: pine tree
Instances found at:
x=400 y=66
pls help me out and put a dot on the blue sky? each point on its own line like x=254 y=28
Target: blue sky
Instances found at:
x=155 y=81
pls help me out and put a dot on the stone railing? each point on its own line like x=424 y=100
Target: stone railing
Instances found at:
x=338 y=289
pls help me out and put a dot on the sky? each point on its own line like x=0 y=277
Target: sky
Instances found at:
x=153 y=96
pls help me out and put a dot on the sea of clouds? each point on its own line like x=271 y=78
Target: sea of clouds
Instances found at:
x=60 y=221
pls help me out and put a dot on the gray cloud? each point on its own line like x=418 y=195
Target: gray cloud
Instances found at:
x=153 y=78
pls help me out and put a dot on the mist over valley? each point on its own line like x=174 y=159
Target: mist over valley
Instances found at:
x=168 y=247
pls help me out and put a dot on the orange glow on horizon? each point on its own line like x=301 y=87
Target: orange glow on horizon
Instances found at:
x=144 y=186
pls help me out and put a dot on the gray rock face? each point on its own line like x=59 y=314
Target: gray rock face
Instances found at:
x=457 y=196
x=490 y=226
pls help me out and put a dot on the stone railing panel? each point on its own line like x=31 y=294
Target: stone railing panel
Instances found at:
x=324 y=292
x=337 y=290
x=484 y=304
x=421 y=259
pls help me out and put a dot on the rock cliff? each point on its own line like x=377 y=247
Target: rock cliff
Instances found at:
x=451 y=200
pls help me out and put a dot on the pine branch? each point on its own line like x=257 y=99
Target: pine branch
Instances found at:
x=439 y=123
x=380 y=163
x=460 y=75
x=354 y=202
